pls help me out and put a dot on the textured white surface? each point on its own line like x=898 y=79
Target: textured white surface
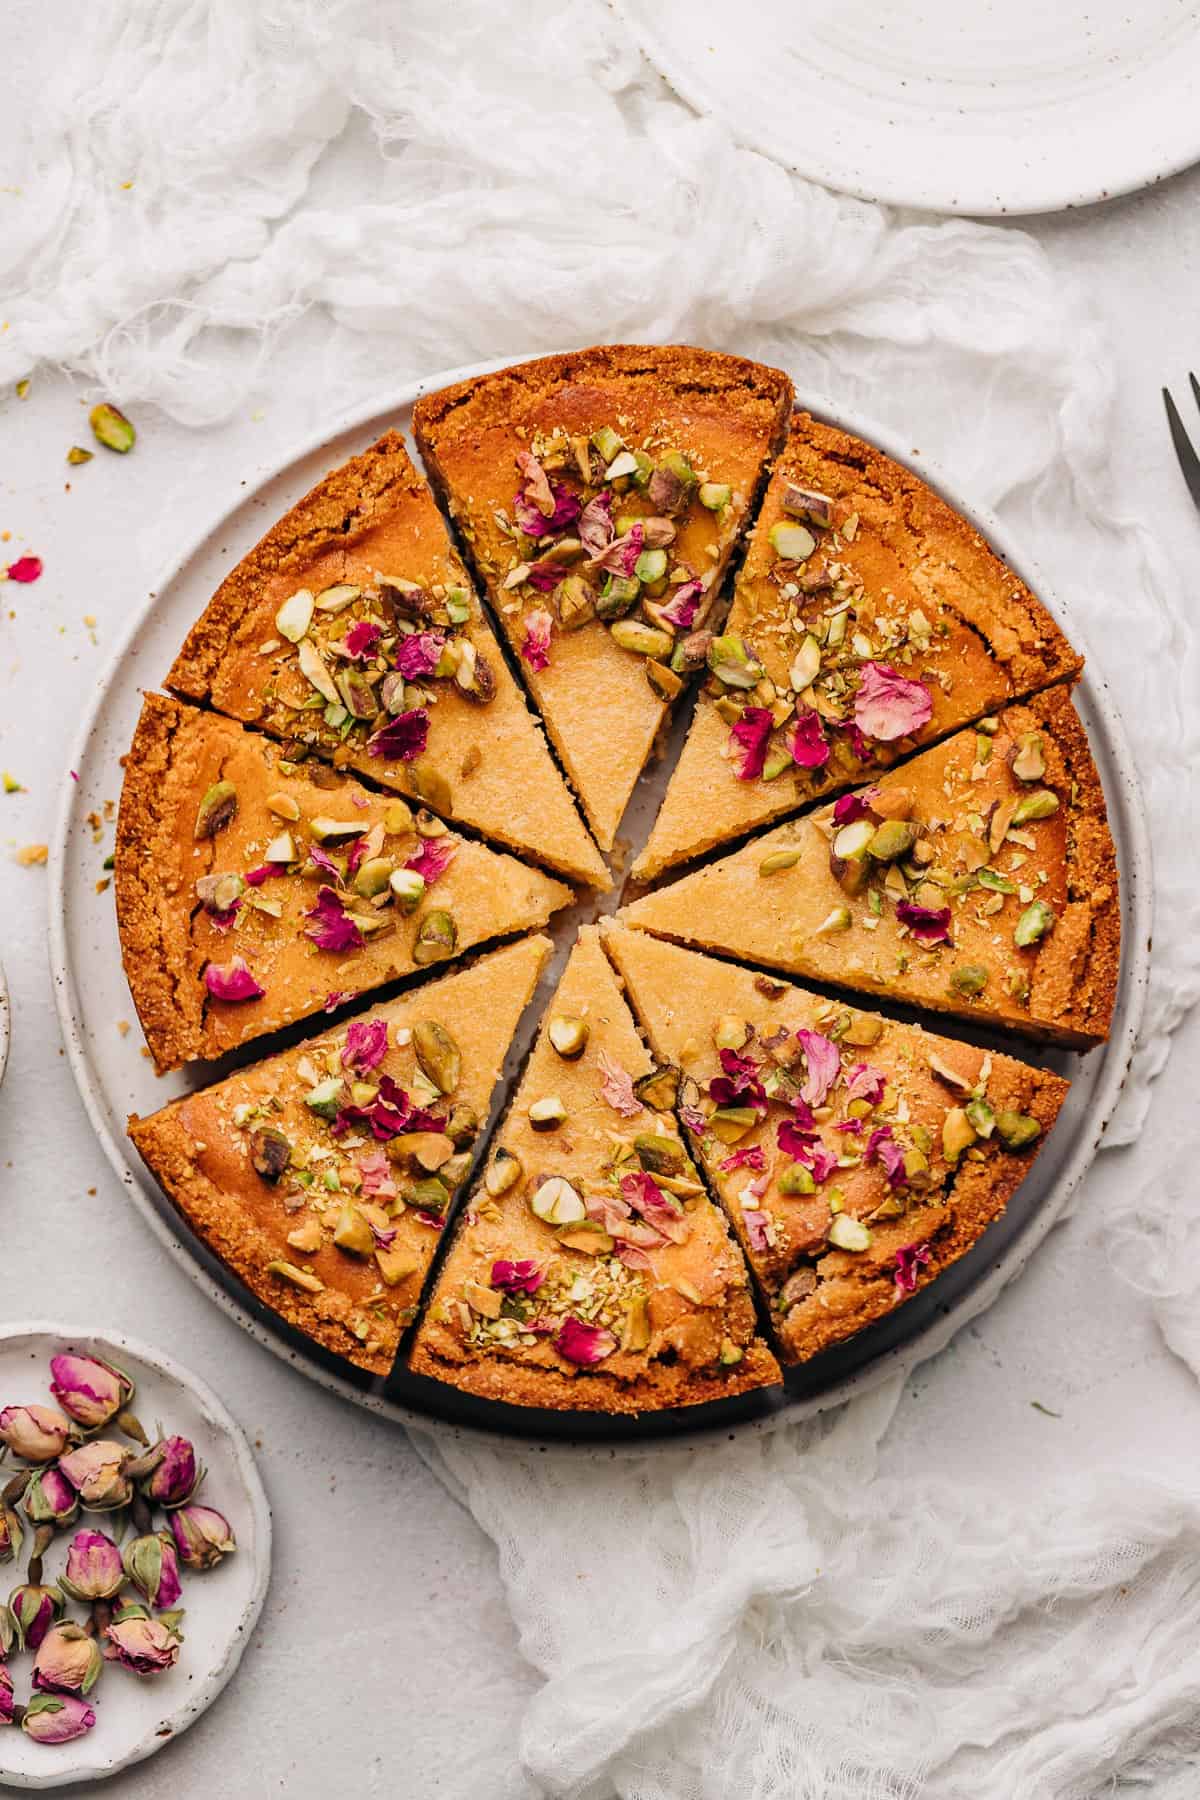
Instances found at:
x=1001 y=106
x=386 y=1604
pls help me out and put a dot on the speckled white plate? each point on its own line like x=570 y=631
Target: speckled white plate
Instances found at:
x=966 y=106
x=5 y=1021
x=135 y=1716
x=115 y=1079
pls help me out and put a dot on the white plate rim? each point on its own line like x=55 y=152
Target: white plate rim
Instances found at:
x=754 y=133
x=121 y=1347
x=5 y=1022
x=1137 y=879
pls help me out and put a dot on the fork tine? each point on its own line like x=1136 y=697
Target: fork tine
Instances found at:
x=1189 y=462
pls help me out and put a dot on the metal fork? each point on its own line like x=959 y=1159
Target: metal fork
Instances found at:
x=1189 y=462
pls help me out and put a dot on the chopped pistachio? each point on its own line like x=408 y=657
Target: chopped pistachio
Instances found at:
x=733 y=663
x=837 y=920
x=111 y=428
x=806 y=664
x=437 y=938
x=731 y=1123
x=548 y=1113
x=651 y=565
x=77 y=455
x=998 y=884
x=982 y=1118
x=504 y=1172
x=295 y=616
x=643 y=640
x=429 y=784
x=636 y=1335
x=216 y=810
x=608 y=442
x=806 y=503
x=352 y=1232
x=731 y=1033
x=281 y=849
x=328 y=831
x=568 y=1035
x=777 y=861
x=1027 y=760
x=337 y=598
x=796 y=1179
x=408 y=886
x=714 y=495
x=892 y=840
x=438 y=1054
x=326 y=1098
x=663 y=681
x=660 y=1155
x=864 y=1029
x=395 y=1266
x=556 y=1201
x=1041 y=804
x=794 y=543
x=950 y=1076
x=270 y=1152
x=574 y=602
x=1033 y=924
x=660 y=1089
x=485 y=1301
x=617 y=596
x=306 y=1238
x=373 y=877
x=970 y=979
x=1017 y=1131
x=589 y=1236
x=958 y=1134
x=397 y=818
x=284 y=807
x=849 y=1233
x=316 y=672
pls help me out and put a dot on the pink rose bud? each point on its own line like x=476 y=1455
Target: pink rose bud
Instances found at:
x=175 y=1474
x=202 y=1536
x=94 y=1568
x=57 y=1718
x=153 y=1567
x=92 y=1392
x=97 y=1473
x=8 y=1634
x=38 y=1433
x=50 y=1499
x=67 y=1661
x=6 y=1696
x=138 y=1642
x=33 y=1611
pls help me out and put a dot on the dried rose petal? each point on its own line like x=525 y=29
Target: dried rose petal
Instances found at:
x=752 y=732
x=739 y=1084
x=928 y=924
x=330 y=926
x=523 y=1277
x=419 y=654
x=616 y=1087
x=620 y=557
x=750 y=1156
x=583 y=1344
x=910 y=1260
x=362 y=640
x=366 y=1045
x=536 y=648
x=808 y=743
x=433 y=858
x=681 y=609
x=822 y=1062
x=888 y=705
x=535 y=522
x=26 y=568
x=595 y=528
x=756 y=1223
x=402 y=738
x=883 y=1149
x=865 y=1083
x=852 y=807
x=232 y=981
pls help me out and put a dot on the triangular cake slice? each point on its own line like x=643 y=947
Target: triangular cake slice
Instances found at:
x=589 y=1269
x=322 y=1177
x=869 y=617
x=978 y=879
x=600 y=495
x=252 y=890
x=856 y=1157
x=352 y=632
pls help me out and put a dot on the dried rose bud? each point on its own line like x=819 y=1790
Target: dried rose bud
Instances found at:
x=10 y=1536
x=202 y=1536
x=8 y=1634
x=153 y=1567
x=172 y=1472
x=50 y=1499
x=33 y=1611
x=94 y=1568
x=57 y=1718
x=138 y=1642
x=92 y=1392
x=38 y=1433
x=67 y=1661
x=6 y=1697
x=97 y=1473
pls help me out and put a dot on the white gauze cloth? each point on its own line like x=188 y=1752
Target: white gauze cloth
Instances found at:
x=215 y=198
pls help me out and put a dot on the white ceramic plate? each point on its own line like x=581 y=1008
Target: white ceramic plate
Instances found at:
x=135 y=1716
x=114 y=1078
x=966 y=106
x=5 y=1022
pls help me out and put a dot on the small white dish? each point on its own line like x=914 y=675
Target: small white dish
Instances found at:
x=136 y=1715
x=984 y=109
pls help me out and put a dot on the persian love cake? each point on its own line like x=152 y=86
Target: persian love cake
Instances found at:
x=856 y=1157
x=600 y=495
x=868 y=618
x=351 y=632
x=253 y=890
x=590 y=1270
x=322 y=1177
x=978 y=879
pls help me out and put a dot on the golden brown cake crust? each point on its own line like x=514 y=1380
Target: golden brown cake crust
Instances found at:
x=909 y=555
x=655 y=1390
x=680 y=995
x=485 y=763
x=1067 y=860
x=725 y=414
x=169 y=938
x=198 y=1148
